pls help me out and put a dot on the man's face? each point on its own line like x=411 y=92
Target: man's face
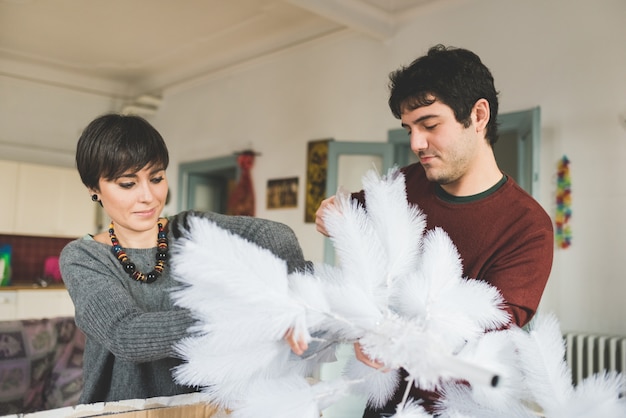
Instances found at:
x=445 y=148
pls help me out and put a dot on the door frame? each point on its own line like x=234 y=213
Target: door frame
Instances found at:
x=202 y=167
x=336 y=149
x=526 y=124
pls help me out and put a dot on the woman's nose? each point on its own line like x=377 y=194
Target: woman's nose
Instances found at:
x=145 y=193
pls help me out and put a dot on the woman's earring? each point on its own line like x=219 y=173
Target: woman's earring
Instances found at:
x=94 y=197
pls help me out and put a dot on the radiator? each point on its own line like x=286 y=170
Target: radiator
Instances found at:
x=588 y=354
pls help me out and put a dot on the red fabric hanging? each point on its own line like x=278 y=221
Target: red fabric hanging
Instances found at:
x=241 y=199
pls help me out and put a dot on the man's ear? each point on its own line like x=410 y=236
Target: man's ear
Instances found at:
x=481 y=114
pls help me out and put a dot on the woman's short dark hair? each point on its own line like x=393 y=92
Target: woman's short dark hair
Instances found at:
x=113 y=144
x=453 y=76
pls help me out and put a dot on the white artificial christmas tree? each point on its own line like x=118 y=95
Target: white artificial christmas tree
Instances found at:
x=398 y=291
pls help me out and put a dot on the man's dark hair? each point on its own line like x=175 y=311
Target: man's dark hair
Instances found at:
x=453 y=76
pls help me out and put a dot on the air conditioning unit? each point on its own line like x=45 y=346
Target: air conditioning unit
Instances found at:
x=144 y=105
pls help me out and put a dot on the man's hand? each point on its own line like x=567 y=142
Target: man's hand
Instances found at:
x=297 y=346
x=363 y=358
x=319 y=220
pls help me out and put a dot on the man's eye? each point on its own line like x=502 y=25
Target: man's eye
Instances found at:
x=430 y=127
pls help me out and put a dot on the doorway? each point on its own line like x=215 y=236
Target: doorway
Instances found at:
x=205 y=185
x=517 y=149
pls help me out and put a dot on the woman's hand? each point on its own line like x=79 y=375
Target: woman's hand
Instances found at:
x=298 y=346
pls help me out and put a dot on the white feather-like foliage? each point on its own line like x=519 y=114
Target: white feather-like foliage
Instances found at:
x=411 y=409
x=548 y=378
x=289 y=397
x=398 y=290
x=423 y=278
x=357 y=244
x=495 y=352
x=542 y=356
x=399 y=226
x=458 y=401
x=599 y=395
x=227 y=296
x=378 y=385
x=209 y=264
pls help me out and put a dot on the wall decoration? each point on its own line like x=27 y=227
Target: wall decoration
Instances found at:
x=241 y=200
x=563 y=231
x=316 y=167
x=282 y=193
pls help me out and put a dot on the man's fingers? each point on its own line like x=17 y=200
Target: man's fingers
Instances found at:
x=298 y=346
x=319 y=215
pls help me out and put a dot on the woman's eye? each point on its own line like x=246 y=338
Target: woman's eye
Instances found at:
x=126 y=185
x=157 y=180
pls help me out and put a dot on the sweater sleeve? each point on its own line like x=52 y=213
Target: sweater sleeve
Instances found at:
x=521 y=273
x=271 y=235
x=109 y=310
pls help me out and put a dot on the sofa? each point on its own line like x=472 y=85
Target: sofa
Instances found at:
x=41 y=364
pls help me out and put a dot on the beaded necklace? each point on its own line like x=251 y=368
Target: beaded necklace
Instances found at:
x=129 y=266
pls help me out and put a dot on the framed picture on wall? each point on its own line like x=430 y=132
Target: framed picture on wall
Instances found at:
x=282 y=193
x=316 y=167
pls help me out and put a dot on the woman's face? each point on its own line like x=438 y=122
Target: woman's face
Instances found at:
x=135 y=200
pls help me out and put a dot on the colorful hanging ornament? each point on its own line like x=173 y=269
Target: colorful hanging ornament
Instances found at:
x=563 y=232
x=241 y=200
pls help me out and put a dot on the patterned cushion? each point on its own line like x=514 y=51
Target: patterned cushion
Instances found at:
x=40 y=364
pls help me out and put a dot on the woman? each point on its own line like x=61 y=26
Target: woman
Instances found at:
x=119 y=280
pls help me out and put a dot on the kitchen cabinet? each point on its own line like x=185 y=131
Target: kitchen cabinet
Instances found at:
x=8 y=190
x=8 y=305
x=35 y=303
x=46 y=201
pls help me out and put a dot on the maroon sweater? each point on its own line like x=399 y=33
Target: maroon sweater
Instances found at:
x=503 y=235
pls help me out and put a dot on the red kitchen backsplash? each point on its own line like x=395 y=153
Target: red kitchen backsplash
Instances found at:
x=28 y=255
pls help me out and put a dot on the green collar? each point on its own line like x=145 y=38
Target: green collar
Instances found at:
x=442 y=194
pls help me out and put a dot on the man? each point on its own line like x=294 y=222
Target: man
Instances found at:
x=448 y=104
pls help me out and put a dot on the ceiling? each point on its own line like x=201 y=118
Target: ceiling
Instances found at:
x=146 y=46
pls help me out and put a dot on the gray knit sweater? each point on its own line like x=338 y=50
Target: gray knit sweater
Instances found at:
x=130 y=326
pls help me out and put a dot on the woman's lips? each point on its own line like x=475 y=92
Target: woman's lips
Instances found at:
x=146 y=213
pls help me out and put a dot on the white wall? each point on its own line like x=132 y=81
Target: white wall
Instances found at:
x=40 y=122
x=566 y=57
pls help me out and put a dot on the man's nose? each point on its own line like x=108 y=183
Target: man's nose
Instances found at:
x=418 y=141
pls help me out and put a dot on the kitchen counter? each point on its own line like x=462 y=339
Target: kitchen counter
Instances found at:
x=26 y=286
